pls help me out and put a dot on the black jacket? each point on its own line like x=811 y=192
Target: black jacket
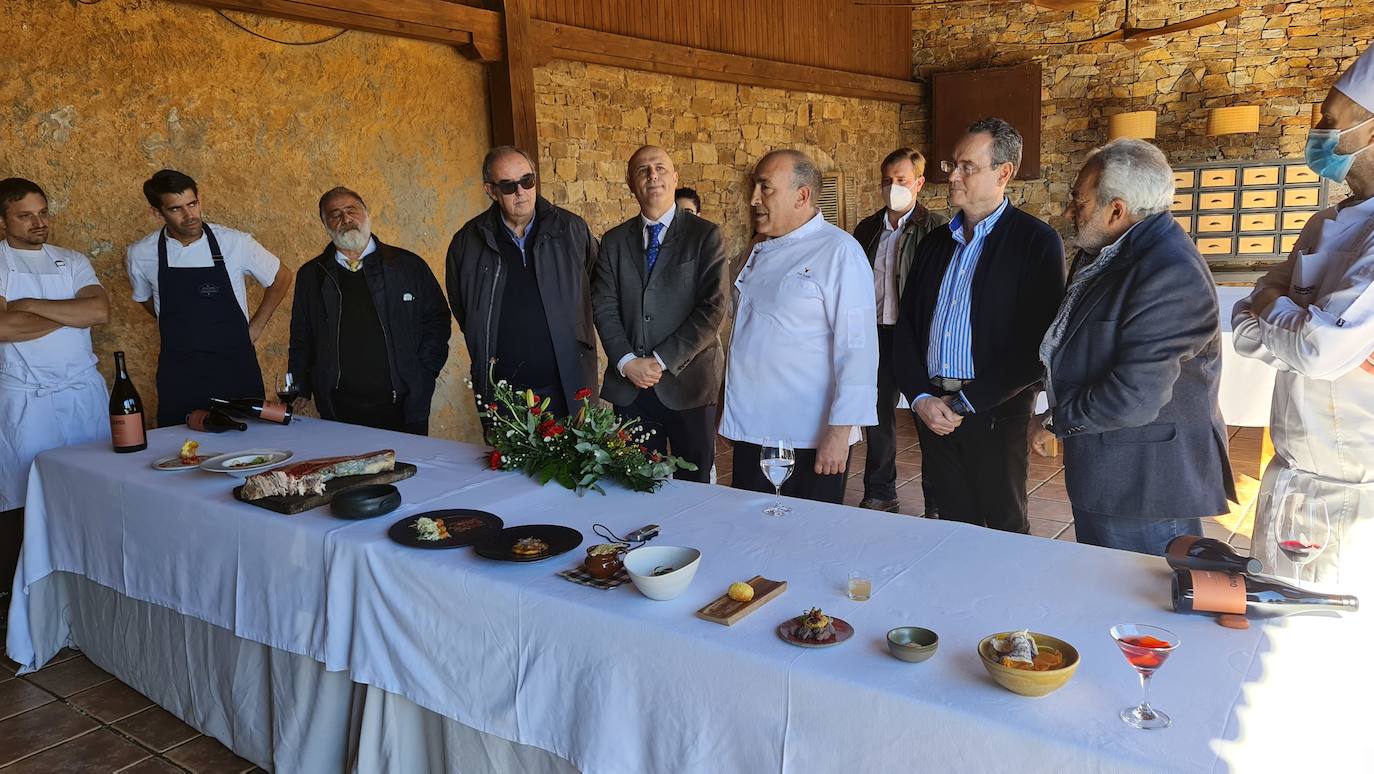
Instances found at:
x=564 y=253
x=414 y=320
x=1017 y=286
x=870 y=231
x=1135 y=382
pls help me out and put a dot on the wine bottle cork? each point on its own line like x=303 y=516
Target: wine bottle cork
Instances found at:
x=1232 y=621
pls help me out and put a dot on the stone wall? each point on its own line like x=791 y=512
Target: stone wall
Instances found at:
x=592 y=117
x=1283 y=57
x=98 y=96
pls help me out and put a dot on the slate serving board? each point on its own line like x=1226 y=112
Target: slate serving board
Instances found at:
x=300 y=503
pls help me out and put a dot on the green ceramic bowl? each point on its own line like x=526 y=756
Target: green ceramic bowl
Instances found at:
x=912 y=643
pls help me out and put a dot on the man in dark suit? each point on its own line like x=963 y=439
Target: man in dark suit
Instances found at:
x=1134 y=361
x=981 y=294
x=890 y=237
x=659 y=300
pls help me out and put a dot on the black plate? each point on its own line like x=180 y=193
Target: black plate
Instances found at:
x=498 y=545
x=402 y=532
x=366 y=502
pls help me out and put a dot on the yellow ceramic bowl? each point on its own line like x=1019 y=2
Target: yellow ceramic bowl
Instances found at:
x=1023 y=681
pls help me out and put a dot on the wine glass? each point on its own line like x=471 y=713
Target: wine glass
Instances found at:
x=287 y=389
x=1145 y=648
x=1302 y=530
x=777 y=458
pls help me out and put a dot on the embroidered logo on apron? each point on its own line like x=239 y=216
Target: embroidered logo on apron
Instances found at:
x=209 y=290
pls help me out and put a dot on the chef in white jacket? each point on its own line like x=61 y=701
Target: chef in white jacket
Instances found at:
x=1312 y=318
x=51 y=394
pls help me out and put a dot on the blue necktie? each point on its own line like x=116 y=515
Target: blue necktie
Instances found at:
x=651 y=254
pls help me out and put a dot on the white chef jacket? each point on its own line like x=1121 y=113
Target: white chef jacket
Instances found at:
x=804 y=348
x=51 y=394
x=1322 y=419
x=242 y=255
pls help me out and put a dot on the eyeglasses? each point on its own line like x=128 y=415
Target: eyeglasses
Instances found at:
x=965 y=168
x=508 y=187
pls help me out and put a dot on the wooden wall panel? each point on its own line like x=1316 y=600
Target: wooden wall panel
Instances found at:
x=833 y=34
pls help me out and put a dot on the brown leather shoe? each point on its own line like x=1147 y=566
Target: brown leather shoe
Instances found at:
x=879 y=504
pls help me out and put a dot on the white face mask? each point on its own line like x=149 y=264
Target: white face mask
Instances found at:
x=898 y=197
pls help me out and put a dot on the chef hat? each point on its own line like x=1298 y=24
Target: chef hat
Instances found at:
x=1358 y=81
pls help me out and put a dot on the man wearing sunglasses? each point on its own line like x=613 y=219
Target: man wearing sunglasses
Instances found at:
x=967 y=341
x=519 y=284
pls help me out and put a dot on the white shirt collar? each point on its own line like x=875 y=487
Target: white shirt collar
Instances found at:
x=666 y=219
x=369 y=250
x=887 y=219
x=807 y=229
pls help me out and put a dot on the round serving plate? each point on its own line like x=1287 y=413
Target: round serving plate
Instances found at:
x=172 y=462
x=500 y=545
x=461 y=531
x=241 y=463
x=843 y=631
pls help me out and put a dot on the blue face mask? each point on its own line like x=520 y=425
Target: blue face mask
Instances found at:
x=1321 y=154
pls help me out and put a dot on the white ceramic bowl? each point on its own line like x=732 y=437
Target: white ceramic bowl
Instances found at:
x=641 y=563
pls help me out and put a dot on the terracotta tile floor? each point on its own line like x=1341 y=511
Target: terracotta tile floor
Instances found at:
x=71 y=716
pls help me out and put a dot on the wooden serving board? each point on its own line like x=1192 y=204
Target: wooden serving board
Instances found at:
x=299 y=503
x=724 y=610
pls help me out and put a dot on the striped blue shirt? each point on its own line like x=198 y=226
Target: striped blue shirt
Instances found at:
x=950 y=349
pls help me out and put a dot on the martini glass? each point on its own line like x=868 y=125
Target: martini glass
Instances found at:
x=1145 y=648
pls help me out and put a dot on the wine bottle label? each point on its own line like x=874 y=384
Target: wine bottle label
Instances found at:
x=1178 y=547
x=127 y=429
x=196 y=419
x=1218 y=592
x=273 y=411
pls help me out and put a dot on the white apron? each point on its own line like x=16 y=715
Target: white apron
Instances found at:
x=1323 y=428
x=51 y=394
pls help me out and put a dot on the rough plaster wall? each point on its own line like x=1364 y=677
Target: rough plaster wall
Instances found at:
x=97 y=97
x=1283 y=57
x=592 y=117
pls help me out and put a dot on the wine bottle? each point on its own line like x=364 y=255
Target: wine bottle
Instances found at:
x=213 y=421
x=126 y=412
x=1195 y=552
x=1254 y=596
x=254 y=408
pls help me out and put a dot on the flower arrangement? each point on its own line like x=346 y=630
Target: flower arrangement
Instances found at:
x=576 y=451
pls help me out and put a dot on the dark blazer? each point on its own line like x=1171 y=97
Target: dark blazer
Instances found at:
x=870 y=231
x=1135 y=384
x=414 y=320
x=677 y=311
x=1016 y=290
x=564 y=255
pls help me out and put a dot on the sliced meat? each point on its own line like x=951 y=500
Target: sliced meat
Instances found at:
x=309 y=476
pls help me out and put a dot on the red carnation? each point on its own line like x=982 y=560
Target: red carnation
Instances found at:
x=582 y=394
x=623 y=436
x=550 y=429
x=656 y=457
x=492 y=407
x=495 y=459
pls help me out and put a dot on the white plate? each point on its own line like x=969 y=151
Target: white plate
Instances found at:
x=173 y=462
x=232 y=463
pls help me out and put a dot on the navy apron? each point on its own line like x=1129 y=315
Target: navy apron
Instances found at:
x=206 y=349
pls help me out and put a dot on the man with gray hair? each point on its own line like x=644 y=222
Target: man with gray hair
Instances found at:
x=369 y=325
x=1133 y=361
x=803 y=360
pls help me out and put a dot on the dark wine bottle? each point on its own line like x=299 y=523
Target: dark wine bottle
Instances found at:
x=126 y=412
x=1254 y=596
x=1195 y=552
x=254 y=408
x=213 y=421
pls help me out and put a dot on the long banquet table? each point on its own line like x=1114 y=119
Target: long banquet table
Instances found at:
x=306 y=643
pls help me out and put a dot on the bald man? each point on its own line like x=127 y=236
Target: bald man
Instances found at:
x=659 y=301
x=519 y=283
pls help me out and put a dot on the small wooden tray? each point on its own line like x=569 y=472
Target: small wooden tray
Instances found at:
x=299 y=503
x=724 y=610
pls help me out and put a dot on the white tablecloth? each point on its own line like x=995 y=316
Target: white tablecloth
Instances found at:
x=1247 y=385
x=614 y=682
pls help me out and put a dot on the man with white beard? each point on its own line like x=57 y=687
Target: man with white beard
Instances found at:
x=369 y=325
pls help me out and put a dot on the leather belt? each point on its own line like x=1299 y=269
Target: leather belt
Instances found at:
x=950 y=385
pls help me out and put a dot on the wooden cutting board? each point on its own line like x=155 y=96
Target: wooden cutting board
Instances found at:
x=724 y=610
x=299 y=503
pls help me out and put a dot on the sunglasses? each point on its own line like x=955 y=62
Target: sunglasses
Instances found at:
x=508 y=187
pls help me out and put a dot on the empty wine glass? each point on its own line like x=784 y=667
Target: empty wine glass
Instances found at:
x=777 y=458
x=1302 y=529
x=1145 y=648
